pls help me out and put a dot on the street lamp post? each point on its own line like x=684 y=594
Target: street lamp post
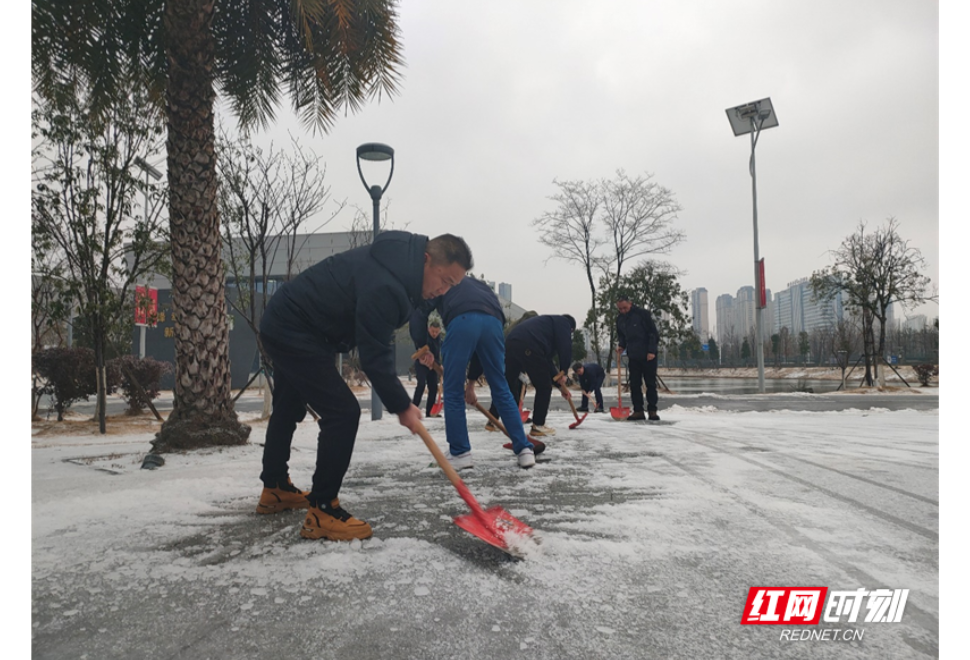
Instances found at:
x=753 y=118
x=374 y=151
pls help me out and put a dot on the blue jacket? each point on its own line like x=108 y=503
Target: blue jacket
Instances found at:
x=354 y=298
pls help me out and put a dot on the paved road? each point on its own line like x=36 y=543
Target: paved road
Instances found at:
x=651 y=535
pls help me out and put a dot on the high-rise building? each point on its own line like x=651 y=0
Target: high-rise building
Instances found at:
x=724 y=318
x=698 y=304
x=798 y=310
x=917 y=323
x=505 y=290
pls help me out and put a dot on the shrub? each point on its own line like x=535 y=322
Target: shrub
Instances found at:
x=147 y=372
x=66 y=374
x=924 y=372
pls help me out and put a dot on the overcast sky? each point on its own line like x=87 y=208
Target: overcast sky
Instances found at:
x=501 y=98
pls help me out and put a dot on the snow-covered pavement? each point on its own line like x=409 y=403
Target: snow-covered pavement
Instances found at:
x=651 y=537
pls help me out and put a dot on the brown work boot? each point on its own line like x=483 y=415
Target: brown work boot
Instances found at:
x=636 y=416
x=333 y=523
x=285 y=496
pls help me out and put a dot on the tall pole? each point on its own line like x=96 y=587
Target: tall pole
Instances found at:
x=142 y=329
x=376 y=407
x=373 y=151
x=759 y=336
x=753 y=118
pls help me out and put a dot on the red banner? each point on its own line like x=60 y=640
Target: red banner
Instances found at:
x=762 y=295
x=146 y=306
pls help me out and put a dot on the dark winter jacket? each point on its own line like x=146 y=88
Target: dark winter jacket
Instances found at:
x=637 y=333
x=546 y=335
x=418 y=329
x=355 y=298
x=469 y=295
x=592 y=376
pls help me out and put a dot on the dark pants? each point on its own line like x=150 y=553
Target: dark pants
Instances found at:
x=301 y=379
x=643 y=372
x=519 y=358
x=425 y=375
x=597 y=392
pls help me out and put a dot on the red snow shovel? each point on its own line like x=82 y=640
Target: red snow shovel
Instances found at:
x=579 y=420
x=438 y=405
x=619 y=413
x=496 y=526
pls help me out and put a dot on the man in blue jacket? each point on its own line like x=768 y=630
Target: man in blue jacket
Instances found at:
x=637 y=334
x=473 y=319
x=354 y=298
x=542 y=347
x=591 y=377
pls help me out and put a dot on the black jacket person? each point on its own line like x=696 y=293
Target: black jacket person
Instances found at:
x=541 y=347
x=424 y=334
x=355 y=298
x=637 y=333
x=591 y=377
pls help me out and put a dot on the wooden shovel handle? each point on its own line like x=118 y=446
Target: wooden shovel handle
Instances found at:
x=572 y=405
x=619 y=378
x=421 y=352
x=451 y=473
x=492 y=419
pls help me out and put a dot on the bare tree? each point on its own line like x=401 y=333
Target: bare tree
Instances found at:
x=267 y=198
x=570 y=231
x=874 y=269
x=602 y=225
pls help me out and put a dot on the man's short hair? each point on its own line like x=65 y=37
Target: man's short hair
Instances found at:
x=449 y=249
x=434 y=324
x=572 y=321
x=577 y=366
x=623 y=299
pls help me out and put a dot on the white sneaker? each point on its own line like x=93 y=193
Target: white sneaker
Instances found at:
x=542 y=430
x=461 y=461
x=527 y=458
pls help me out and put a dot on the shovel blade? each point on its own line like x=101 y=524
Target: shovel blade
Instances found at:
x=579 y=421
x=436 y=408
x=497 y=527
x=620 y=413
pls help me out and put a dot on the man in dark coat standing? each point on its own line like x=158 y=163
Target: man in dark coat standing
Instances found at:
x=591 y=377
x=637 y=333
x=542 y=347
x=425 y=334
x=354 y=298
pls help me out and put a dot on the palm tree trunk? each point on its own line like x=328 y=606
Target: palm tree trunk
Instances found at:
x=202 y=413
